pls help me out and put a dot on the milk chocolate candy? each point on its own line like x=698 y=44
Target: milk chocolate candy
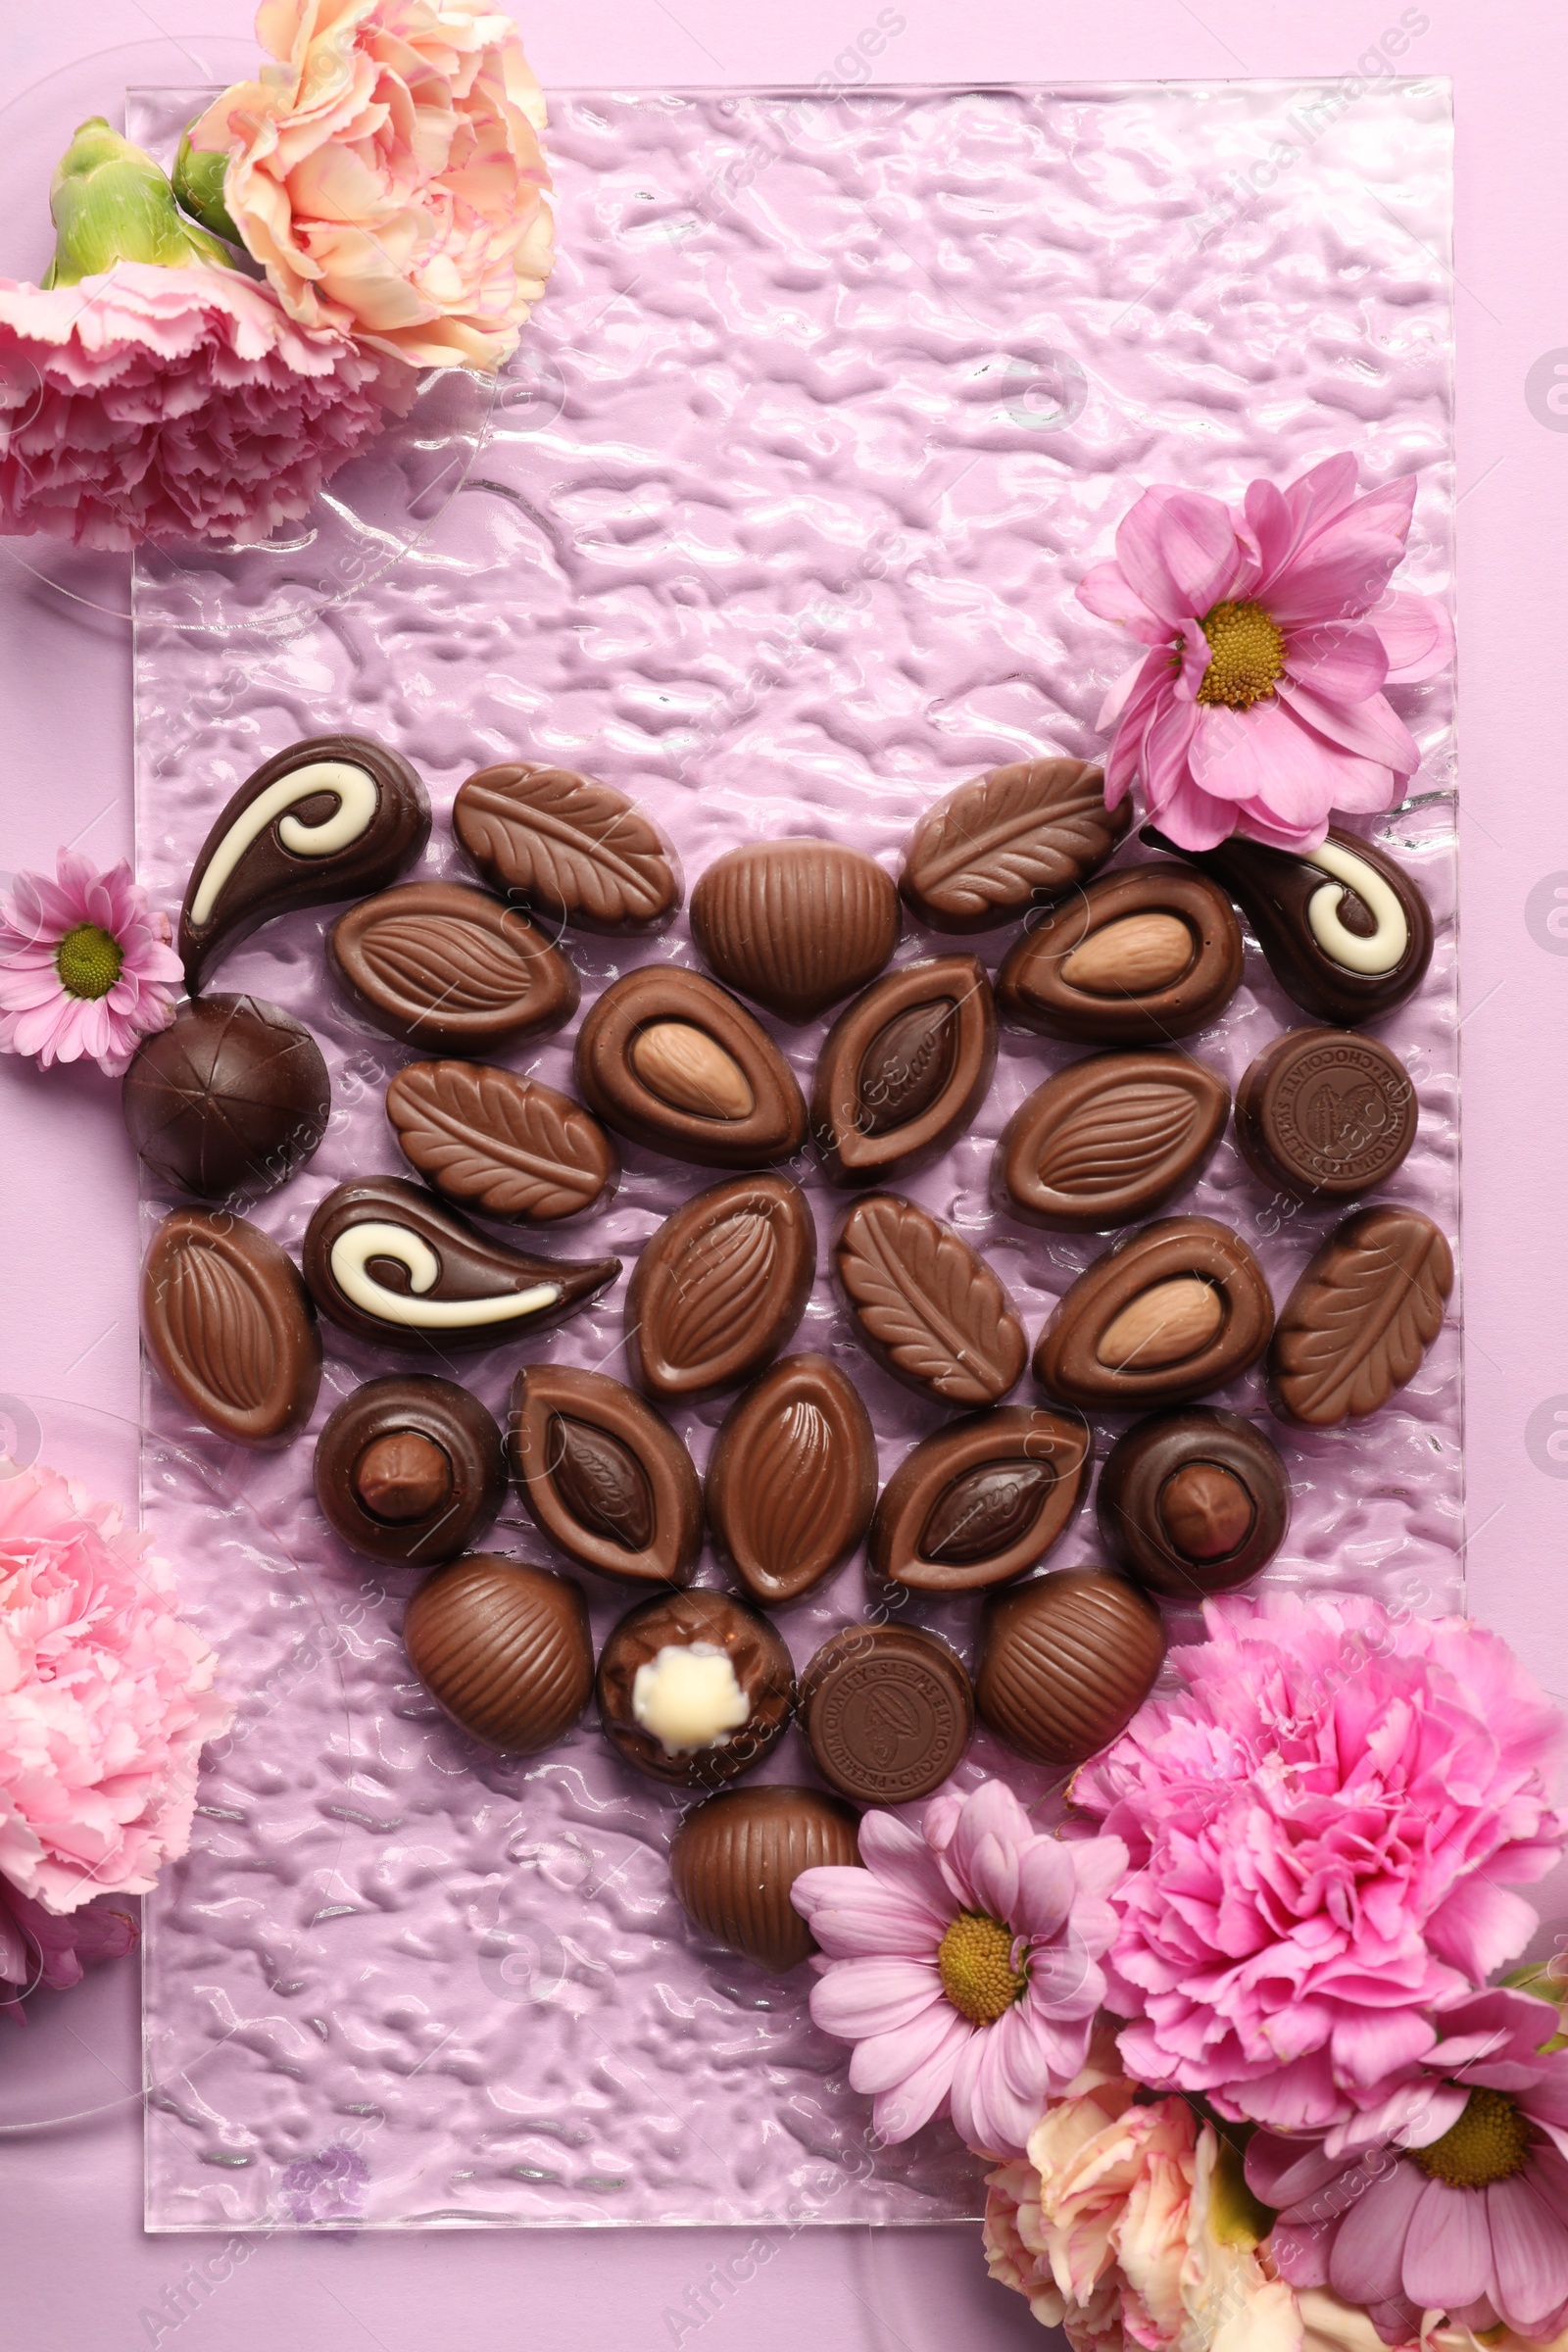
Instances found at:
x=795 y=924
x=410 y=1470
x=888 y=1712
x=500 y=1144
x=719 y=1288
x=1067 y=1661
x=1135 y=958
x=1358 y=1323
x=575 y=851
x=1109 y=1140
x=1169 y=1314
x=1193 y=1502
x=231 y=1326
x=604 y=1477
x=389 y=1264
x=504 y=1648
x=736 y=1857
x=792 y=1479
x=925 y=1304
x=1010 y=841
x=450 y=969
x=695 y=1689
x=904 y=1069
x=1324 y=1114
x=982 y=1501
x=228 y=1101
x=671 y=1060
x=328 y=819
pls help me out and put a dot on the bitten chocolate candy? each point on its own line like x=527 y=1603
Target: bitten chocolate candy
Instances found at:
x=1016 y=837
x=387 y=1263
x=888 y=1712
x=506 y=1147
x=604 y=1477
x=795 y=924
x=230 y=1100
x=791 y=1478
x=1110 y=1139
x=1133 y=958
x=671 y=1060
x=576 y=850
x=1193 y=1502
x=982 y=1501
x=736 y=1857
x=1325 y=1114
x=231 y=1326
x=1171 y=1312
x=1067 y=1661
x=505 y=1649
x=410 y=1469
x=1361 y=1318
x=695 y=1689
x=451 y=970
x=328 y=818
x=925 y=1304
x=719 y=1288
x=904 y=1069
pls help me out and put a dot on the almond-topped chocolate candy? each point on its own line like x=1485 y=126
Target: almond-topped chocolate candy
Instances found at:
x=1067 y=1661
x=925 y=1304
x=450 y=969
x=795 y=924
x=1171 y=1313
x=504 y=1648
x=604 y=1477
x=719 y=1288
x=1109 y=1140
x=1013 y=839
x=410 y=1469
x=791 y=1478
x=1193 y=1502
x=735 y=1858
x=501 y=1144
x=1133 y=958
x=695 y=1689
x=982 y=1501
x=576 y=850
x=888 y=1712
x=904 y=1069
x=231 y=1326
x=1358 y=1323
x=671 y=1060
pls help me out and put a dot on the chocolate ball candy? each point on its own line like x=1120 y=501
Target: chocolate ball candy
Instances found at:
x=736 y=1857
x=229 y=1101
x=1325 y=1114
x=410 y=1469
x=1067 y=1661
x=505 y=1649
x=1193 y=1502
x=695 y=1689
x=888 y=1710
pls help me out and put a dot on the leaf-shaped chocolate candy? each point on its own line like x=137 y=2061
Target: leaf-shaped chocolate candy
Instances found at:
x=578 y=851
x=1007 y=842
x=925 y=1304
x=506 y=1146
x=1358 y=1323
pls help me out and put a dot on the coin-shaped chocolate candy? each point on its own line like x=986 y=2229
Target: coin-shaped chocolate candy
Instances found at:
x=925 y=1304
x=795 y=924
x=1065 y=1662
x=450 y=969
x=228 y=1101
x=1193 y=1501
x=1358 y=1323
x=1169 y=1314
x=604 y=1477
x=500 y=1144
x=671 y=1060
x=735 y=1858
x=1109 y=1140
x=231 y=1326
x=504 y=1648
x=904 y=1069
x=791 y=1478
x=695 y=1688
x=576 y=850
x=1013 y=839
x=719 y=1288
x=1325 y=1114
x=888 y=1710
x=410 y=1469
x=1133 y=958
x=982 y=1501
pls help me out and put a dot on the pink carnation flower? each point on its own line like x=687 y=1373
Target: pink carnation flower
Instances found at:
x=963 y=1962
x=1272 y=633
x=105 y=1699
x=1320 y=1830
x=37 y=1948
x=84 y=966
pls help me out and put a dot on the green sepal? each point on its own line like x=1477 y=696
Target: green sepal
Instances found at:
x=110 y=203
x=199 y=176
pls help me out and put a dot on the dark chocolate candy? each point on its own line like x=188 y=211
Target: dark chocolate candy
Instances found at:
x=499 y=1144
x=451 y=970
x=1193 y=1502
x=231 y=1326
x=228 y=1101
x=1109 y=1140
x=791 y=1478
x=1324 y=1114
x=604 y=1477
x=504 y=1648
x=719 y=1288
x=795 y=924
x=1169 y=1313
x=1135 y=958
x=1067 y=1661
x=982 y=1501
x=410 y=1469
x=904 y=1069
x=695 y=1688
x=924 y=1303
x=328 y=819
x=1360 y=1321
x=1014 y=838
x=576 y=850
x=671 y=1060
x=888 y=1712
x=388 y=1264
x=735 y=1858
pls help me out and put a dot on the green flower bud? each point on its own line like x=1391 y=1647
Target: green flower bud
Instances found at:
x=199 y=174
x=110 y=203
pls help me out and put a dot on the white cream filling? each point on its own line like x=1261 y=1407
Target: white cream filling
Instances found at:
x=1387 y=945
x=353 y=1251
x=687 y=1696
x=355 y=792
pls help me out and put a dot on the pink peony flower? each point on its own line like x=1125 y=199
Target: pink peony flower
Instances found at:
x=106 y=1698
x=1320 y=1830
x=84 y=965
x=1272 y=633
x=962 y=1960
x=37 y=1948
x=387 y=174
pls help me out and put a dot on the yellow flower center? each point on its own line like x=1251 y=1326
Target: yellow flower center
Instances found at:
x=1490 y=2142
x=974 y=1961
x=1247 y=653
x=88 y=961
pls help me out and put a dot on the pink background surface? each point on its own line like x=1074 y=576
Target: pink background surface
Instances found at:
x=78 y=2272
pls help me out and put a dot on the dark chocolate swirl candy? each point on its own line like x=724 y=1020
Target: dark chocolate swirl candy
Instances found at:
x=671 y=1060
x=1133 y=958
x=504 y=1648
x=904 y=1071
x=736 y=1857
x=1013 y=839
x=1067 y=1661
x=719 y=1288
x=795 y=924
x=451 y=970
x=410 y=1469
x=1193 y=1502
x=604 y=1477
x=982 y=1501
x=576 y=850
x=1171 y=1313
x=1110 y=1139
x=231 y=1326
x=791 y=1478
x=925 y=1304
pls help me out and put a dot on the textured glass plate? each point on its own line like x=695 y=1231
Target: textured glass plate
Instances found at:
x=776 y=526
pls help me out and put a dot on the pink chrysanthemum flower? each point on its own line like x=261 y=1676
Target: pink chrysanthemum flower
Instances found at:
x=1272 y=633
x=963 y=1962
x=84 y=966
x=38 y=1947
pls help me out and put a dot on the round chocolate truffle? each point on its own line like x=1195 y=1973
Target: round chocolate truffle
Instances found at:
x=1193 y=1501
x=505 y=1649
x=888 y=1710
x=736 y=1857
x=695 y=1688
x=410 y=1469
x=229 y=1101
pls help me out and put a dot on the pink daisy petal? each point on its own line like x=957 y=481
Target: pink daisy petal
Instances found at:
x=863 y=1999
x=901 y=2110
x=1371 y=729
x=1343 y=664
x=1108 y=595
x=1046 y=1886
x=1416 y=633
x=1265 y=753
x=1448 y=2253
x=1368 y=2263
x=1529 y=2252
x=884 y=2060
x=1177 y=552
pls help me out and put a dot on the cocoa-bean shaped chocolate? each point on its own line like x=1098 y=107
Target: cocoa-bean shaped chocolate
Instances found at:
x=904 y=1070
x=980 y=1502
x=450 y=969
x=602 y=1476
x=1109 y=1140
x=791 y=1478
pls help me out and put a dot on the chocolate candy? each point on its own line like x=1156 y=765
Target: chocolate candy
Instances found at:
x=387 y=1263
x=719 y=1288
x=505 y=1649
x=795 y=924
x=229 y=1101
x=671 y=1060
x=328 y=819
x=606 y=1478
x=576 y=850
x=231 y=1326
x=904 y=1069
x=1193 y=1502
x=736 y=1857
x=507 y=1147
x=924 y=1305
x=1067 y=1661
x=410 y=1469
x=1361 y=1318
x=695 y=1689
x=791 y=1478
x=1324 y=1114
x=888 y=1710
x=1171 y=1312
x=1016 y=837
x=981 y=1500
x=1135 y=958
x=1109 y=1139
x=1346 y=931
x=451 y=970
